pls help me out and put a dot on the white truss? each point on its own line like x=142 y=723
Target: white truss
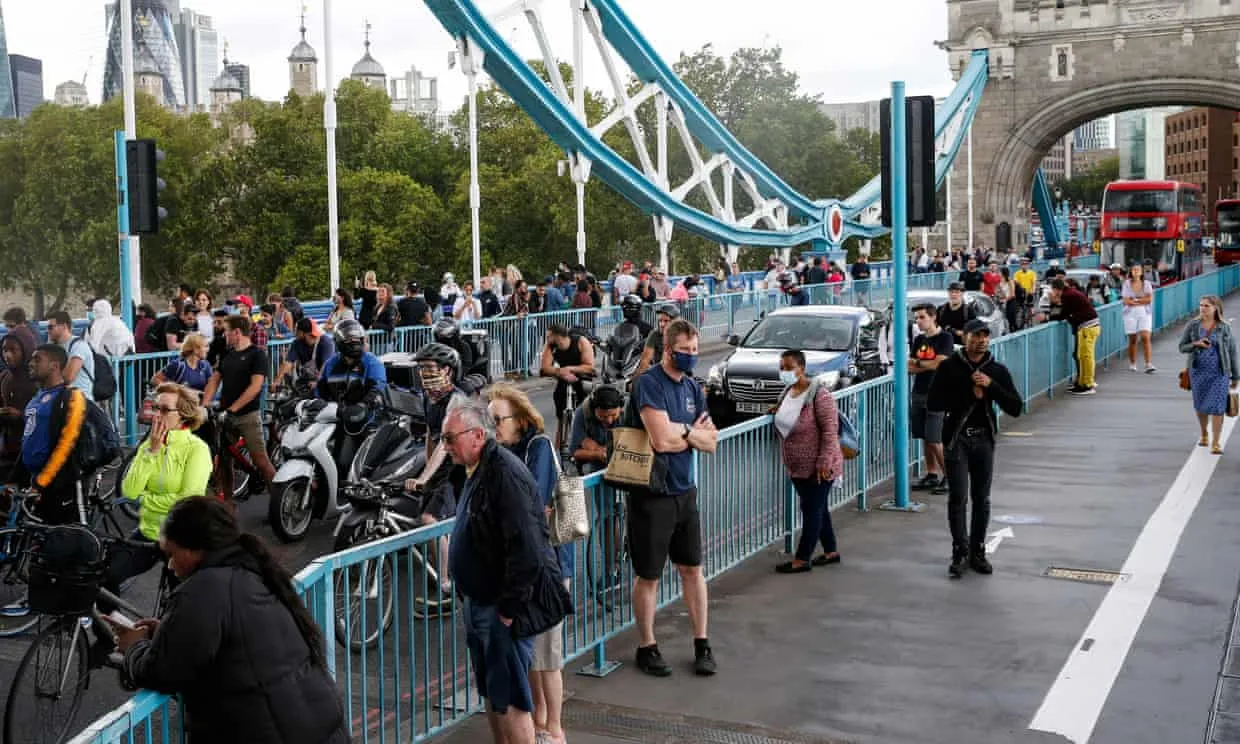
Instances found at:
x=771 y=213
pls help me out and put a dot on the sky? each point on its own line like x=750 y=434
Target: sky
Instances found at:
x=840 y=55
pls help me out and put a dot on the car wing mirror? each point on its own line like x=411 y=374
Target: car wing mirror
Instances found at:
x=734 y=340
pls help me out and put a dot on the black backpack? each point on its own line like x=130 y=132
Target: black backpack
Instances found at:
x=103 y=381
x=157 y=334
x=99 y=443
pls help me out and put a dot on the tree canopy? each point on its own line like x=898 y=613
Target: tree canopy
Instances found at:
x=251 y=211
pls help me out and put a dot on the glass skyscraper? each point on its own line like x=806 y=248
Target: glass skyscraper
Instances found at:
x=157 y=60
x=8 y=109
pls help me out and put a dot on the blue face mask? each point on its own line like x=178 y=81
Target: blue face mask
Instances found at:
x=787 y=377
x=684 y=362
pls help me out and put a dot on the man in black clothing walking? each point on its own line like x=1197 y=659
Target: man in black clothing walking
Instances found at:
x=971 y=278
x=965 y=387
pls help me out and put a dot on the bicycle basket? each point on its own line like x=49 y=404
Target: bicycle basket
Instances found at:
x=66 y=569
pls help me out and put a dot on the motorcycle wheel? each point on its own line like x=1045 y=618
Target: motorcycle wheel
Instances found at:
x=291 y=509
x=365 y=596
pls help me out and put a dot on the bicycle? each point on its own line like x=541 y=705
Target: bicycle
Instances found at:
x=15 y=616
x=234 y=450
x=55 y=671
x=392 y=511
x=607 y=580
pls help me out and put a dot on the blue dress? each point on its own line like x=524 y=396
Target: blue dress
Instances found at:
x=1210 y=386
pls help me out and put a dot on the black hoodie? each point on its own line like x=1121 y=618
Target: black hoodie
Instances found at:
x=951 y=391
x=16 y=390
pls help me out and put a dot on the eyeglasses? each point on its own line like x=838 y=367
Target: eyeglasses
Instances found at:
x=450 y=439
x=167 y=409
x=499 y=420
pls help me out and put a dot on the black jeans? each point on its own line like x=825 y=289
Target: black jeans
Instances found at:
x=560 y=396
x=970 y=466
x=816 y=525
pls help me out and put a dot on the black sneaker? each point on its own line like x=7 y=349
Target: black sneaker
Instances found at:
x=979 y=563
x=927 y=482
x=940 y=489
x=650 y=661
x=958 y=566
x=1078 y=390
x=703 y=658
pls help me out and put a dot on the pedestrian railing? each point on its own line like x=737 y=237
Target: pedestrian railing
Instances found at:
x=415 y=681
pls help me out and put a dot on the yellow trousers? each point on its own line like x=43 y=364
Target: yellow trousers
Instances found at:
x=1086 y=339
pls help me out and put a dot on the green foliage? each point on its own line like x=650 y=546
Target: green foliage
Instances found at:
x=1087 y=188
x=247 y=189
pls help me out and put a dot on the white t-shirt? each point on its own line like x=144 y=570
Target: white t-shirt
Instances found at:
x=473 y=312
x=1137 y=310
x=788 y=413
x=625 y=284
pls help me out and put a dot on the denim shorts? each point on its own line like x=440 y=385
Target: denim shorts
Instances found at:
x=501 y=663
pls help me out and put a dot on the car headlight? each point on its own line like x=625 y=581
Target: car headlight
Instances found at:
x=829 y=379
x=714 y=378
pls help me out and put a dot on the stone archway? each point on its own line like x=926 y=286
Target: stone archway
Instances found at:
x=1006 y=186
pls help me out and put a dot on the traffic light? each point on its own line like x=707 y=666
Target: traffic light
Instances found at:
x=922 y=191
x=142 y=172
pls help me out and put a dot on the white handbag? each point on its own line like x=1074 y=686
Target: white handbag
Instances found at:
x=570 y=516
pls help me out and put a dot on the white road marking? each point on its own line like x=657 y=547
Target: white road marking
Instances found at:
x=993 y=542
x=1074 y=702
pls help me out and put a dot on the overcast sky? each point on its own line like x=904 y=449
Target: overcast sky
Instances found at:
x=842 y=51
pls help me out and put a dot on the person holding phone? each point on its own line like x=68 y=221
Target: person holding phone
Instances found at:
x=1212 y=368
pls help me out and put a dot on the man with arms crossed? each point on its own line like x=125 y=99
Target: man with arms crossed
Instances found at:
x=667 y=524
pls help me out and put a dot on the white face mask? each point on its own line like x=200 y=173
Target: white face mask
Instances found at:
x=787 y=377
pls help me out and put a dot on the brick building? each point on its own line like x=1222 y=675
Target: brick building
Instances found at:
x=1201 y=148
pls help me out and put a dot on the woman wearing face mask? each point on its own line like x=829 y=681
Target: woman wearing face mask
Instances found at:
x=236 y=642
x=808 y=425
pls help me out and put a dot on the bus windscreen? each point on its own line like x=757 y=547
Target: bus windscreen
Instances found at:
x=1139 y=201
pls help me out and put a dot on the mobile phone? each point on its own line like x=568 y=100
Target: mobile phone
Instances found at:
x=116 y=618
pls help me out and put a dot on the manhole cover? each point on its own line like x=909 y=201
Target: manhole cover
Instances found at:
x=1086 y=575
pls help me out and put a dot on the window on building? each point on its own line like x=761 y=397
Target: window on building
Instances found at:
x=1061 y=63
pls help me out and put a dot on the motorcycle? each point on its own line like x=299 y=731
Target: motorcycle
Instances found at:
x=621 y=355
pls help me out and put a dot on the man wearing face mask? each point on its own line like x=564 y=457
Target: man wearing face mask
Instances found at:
x=966 y=387
x=663 y=520
x=438 y=369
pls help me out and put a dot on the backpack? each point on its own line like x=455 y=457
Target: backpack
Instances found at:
x=157 y=334
x=850 y=443
x=99 y=443
x=103 y=381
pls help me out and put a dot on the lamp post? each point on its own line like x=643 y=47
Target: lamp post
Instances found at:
x=329 y=124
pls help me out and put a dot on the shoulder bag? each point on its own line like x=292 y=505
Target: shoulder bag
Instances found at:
x=632 y=463
x=570 y=515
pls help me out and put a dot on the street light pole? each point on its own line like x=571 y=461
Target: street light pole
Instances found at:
x=130 y=251
x=471 y=65
x=329 y=124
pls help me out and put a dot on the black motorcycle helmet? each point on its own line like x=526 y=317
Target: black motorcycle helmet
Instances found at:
x=631 y=308
x=350 y=339
x=446 y=331
x=442 y=355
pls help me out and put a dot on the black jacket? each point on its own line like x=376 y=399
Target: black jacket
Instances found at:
x=234 y=653
x=951 y=391
x=509 y=533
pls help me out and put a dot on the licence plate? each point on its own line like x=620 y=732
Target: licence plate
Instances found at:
x=751 y=408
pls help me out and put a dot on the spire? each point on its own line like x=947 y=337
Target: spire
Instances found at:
x=303 y=21
x=226 y=52
x=368 y=36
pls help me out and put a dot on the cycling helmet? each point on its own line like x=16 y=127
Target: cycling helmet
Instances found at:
x=350 y=338
x=446 y=330
x=631 y=308
x=671 y=311
x=442 y=355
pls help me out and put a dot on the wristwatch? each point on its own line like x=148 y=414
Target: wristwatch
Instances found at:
x=688 y=430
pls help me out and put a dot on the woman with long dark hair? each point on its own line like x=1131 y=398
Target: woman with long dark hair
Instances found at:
x=235 y=642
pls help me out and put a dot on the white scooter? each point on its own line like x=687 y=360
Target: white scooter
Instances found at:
x=307 y=483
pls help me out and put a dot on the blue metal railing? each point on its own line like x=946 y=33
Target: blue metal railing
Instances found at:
x=416 y=681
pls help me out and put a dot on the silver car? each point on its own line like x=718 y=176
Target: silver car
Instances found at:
x=984 y=308
x=1080 y=275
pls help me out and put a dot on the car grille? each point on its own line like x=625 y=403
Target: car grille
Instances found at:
x=755 y=391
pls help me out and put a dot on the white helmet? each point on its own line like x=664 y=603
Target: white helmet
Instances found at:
x=448 y=277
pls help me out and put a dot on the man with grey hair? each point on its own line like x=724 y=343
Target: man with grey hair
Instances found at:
x=503 y=566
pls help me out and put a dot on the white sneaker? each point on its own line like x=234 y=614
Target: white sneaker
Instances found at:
x=1132 y=368
x=1150 y=369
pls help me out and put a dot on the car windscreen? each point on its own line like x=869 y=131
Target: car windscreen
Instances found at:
x=804 y=332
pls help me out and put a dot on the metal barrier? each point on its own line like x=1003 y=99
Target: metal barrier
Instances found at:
x=416 y=681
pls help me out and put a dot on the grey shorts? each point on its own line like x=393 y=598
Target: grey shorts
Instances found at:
x=549 y=647
x=925 y=425
x=250 y=426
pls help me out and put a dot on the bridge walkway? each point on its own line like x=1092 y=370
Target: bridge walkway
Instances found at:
x=885 y=648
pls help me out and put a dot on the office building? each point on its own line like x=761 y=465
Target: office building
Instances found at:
x=242 y=75
x=71 y=93
x=1094 y=135
x=1057 y=164
x=27 y=83
x=198 y=44
x=414 y=93
x=1200 y=148
x=7 y=109
x=1140 y=138
x=303 y=66
x=1084 y=161
x=849 y=116
x=157 y=58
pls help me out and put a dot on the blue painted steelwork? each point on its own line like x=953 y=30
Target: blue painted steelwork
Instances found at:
x=416 y=682
x=127 y=289
x=1044 y=203
x=899 y=257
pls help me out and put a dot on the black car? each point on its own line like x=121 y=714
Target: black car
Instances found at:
x=840 y=345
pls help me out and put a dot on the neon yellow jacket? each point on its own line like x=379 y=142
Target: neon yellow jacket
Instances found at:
x=157 y=481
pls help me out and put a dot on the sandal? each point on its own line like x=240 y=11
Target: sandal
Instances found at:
x=1217 y=449
x=1204 y=441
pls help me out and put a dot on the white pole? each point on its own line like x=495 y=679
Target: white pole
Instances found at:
x=131 y=130
x=475 y=193
x=329 y=124
x=969 y=140
x=949 y=212
x=581 y=222
x=925 y=240
x=579 y=101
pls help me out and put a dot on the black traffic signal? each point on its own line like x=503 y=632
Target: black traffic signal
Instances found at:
x=920 y=149
x=142 y=174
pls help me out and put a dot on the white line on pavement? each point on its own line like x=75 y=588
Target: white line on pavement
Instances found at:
x=1074 y=702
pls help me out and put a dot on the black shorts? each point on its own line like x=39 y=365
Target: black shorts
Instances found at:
x=440 y=501
x=925 y=425
x=662 y=527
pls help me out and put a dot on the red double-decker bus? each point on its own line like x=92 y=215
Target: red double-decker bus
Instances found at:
x=1227 y=231
x=1161 y=221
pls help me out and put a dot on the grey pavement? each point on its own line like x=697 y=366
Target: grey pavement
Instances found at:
x=885 y=648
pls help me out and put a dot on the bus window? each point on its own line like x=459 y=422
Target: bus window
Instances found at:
x=1190 y=201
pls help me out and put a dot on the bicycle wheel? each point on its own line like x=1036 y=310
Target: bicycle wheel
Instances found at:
x=241 y=475
x=15 y=617
x=430 y=595
x=49 y=684
x=365 y=597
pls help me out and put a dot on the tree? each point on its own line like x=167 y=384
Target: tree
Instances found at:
x=1087 y=188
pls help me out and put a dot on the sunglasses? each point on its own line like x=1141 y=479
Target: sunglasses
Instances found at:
x=499 y=420
x=450 y=439
x=167 y=409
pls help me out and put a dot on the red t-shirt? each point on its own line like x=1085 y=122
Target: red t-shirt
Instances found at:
x=990 y=281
